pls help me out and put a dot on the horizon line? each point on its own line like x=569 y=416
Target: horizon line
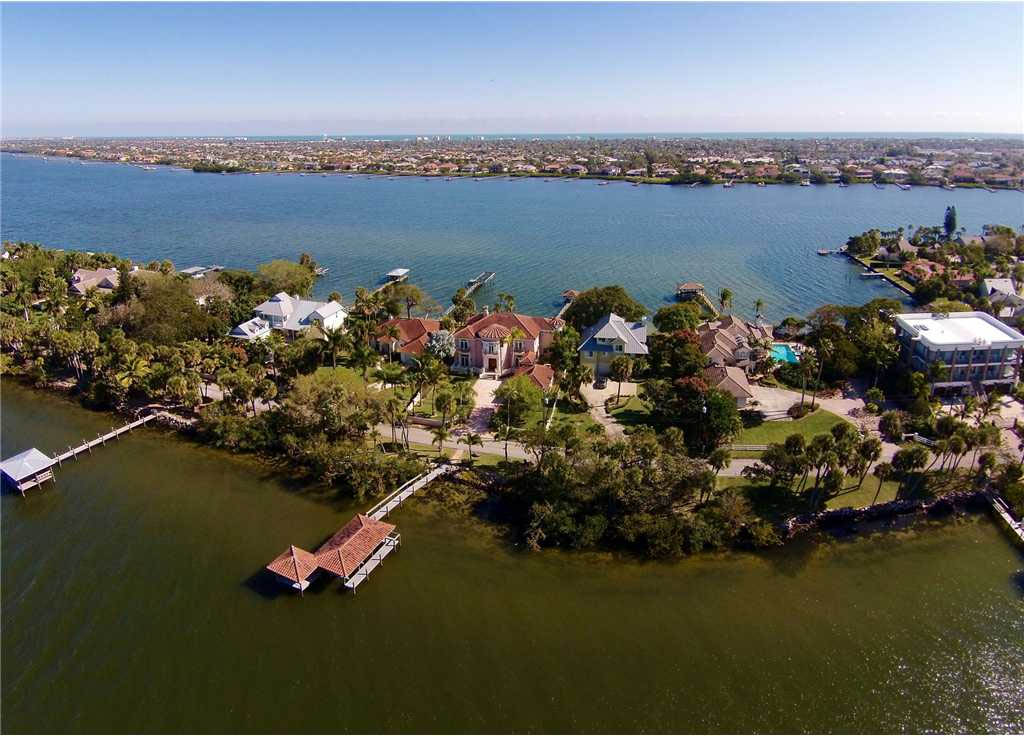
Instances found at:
x=589 y=134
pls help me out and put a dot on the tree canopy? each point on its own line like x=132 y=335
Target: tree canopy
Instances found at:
x=592 y=304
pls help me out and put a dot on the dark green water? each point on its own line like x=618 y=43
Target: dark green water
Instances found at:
x=128 y=606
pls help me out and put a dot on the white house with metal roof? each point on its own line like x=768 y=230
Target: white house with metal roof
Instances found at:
x=609 y=338
x=291 y=315
x=976 y=348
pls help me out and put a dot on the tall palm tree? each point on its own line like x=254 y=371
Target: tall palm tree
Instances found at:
x=725 y=299
x=470 y=439
x=334 y=341
x=824 y=348
x=882 y=471
x=441 y=435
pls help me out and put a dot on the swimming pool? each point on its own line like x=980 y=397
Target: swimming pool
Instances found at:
x=783 y=353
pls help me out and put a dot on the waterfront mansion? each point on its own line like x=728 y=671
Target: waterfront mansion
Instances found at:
x=496 y=344
x=292 y=315
x=977 y=349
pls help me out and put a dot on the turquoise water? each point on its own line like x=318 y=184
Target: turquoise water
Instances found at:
x=783 y=353
x=540 y=237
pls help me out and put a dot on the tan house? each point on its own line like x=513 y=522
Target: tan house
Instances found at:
x=101 y=279
x=732 y=342
x=732 y=380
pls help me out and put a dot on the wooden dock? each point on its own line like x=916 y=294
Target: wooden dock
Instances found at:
x=296 y=567
x=32 y=468
x=395 y=499
x=388 y=546
x=1002 y=512
x=394 y=276
x=72 y=453
x=472 y=286
x=692 y=291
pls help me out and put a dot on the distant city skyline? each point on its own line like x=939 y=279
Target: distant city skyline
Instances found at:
x=581 y=69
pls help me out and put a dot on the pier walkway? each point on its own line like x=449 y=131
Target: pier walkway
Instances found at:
x=1002 y=511
x=73 y=452
x=33 y=467
x=474 y=285
x=397 y=497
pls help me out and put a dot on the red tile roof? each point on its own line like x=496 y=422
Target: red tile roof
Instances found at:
x=351 y=545
x=530 y=326
x=295 y=564
x=543 y=374
x=409 y=329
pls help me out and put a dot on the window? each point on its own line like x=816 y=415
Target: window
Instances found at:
x=490 y=347
x=464 y=361
x=464 y=345
x=590 y=353
x=519 y=346
x=618 y=348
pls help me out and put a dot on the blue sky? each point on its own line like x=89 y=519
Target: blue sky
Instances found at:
x=203 y=69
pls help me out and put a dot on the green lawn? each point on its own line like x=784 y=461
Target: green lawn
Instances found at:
x=780 y=503
x=764 y=433
x=349 y=377
x=633 y=412
x=565 y=413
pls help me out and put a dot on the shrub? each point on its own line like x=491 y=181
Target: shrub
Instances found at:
x=891 y=425
x=798 y=410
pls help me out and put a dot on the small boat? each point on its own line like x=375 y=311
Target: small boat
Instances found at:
x=727 y=185
x=805 y=182
x=476 y=178
x=323 y=175
x=350 y=176
x=448 y=178
x=903 y=187
x=694 y=184
x=871 y=275
x=949 y=187
x=391 y=178
x=824 y=252
x=843 y=184
x=603 y=184
x=547 y=180
x=878 y=186
x=636 y=183
x=761 y=184
x=990 y=189
x=320 y=270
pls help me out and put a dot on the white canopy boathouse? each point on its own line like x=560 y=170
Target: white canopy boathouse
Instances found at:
x=27 y=469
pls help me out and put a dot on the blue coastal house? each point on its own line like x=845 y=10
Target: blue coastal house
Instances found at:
x=609 y=338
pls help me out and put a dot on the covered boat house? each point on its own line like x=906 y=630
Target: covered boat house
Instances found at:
x=351 y=554
x=27 y=469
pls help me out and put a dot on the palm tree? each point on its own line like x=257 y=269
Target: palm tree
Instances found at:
x=444 y=402
x=472 y=438
x=334 y=341
x=441 y=435
x=758 y=306
x=882 y=471
x=725 y=299
x=393 y=408
x=506 y=302
x=824 y=348
x=134 y=372
x=22 y=293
